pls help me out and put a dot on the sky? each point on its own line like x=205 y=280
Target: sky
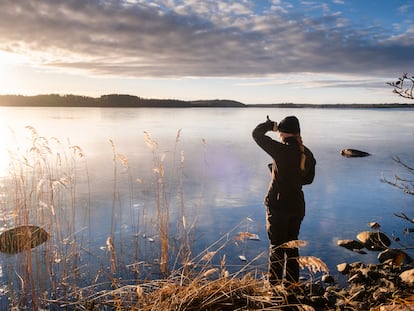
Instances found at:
x=255 y=52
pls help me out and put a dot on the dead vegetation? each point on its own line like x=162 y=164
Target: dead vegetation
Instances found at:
x=57 y=275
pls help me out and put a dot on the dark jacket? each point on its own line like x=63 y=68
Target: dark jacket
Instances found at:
x=285 y=190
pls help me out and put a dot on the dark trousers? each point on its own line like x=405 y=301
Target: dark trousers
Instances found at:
x=283 y=227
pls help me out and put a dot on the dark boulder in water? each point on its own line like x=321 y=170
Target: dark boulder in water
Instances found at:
x=350 y=244
x=21 y=238
x=395 y=256
x=374 y=241
x=353 y=153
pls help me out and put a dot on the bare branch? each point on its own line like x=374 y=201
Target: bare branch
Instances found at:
x=405 y=184
x=405 y=217
x=400 y=87
x=398 y=160
x=404 y=86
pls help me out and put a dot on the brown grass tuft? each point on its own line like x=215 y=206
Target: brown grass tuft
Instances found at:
x=294 y=244
x=314 y=264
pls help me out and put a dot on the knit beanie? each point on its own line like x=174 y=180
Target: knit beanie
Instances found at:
x=289 y=125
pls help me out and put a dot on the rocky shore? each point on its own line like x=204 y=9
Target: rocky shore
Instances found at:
x=371 y=287
x=388 y=285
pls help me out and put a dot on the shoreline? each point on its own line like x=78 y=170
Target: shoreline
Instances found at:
x=129 y=101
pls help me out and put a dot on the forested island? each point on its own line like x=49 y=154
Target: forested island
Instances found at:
x=112 y=100
x=130 y=101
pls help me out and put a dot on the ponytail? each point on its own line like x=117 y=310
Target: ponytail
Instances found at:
x=302 y=153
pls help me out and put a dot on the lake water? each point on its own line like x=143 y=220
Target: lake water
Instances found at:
x=213 y=181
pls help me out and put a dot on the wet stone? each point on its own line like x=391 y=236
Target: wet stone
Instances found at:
x=394 y=256
x=381 y=294
x=343 y=268
x=353 y=153
x=22 y=238
x=374 y=241
x=350 y=244
x=408 y=277
x=328 y=279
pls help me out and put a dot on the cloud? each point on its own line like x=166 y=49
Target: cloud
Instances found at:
x=405 y=8
x=318 y=81
x=185 y=38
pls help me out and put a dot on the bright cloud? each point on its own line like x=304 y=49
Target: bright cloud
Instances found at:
x=190 y=38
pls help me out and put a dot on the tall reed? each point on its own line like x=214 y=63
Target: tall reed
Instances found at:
x=161 y=201
x=42 y=190
x=118 y=209
x=49 y=186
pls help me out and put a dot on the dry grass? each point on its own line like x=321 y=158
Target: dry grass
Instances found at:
x=201 y=286
x=211 y=288
x=248 y=292
x=43 y=190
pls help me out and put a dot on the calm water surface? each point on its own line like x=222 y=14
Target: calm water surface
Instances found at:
x=220 y=176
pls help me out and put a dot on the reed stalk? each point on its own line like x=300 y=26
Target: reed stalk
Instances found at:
x=162 y=204
x=43 y=183
x=44 y=189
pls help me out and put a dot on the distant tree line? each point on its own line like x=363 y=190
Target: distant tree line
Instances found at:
x=112 y=100
x=120 y=100
x=334 y=106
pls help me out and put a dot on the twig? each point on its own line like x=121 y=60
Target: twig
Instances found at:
x=405 y=217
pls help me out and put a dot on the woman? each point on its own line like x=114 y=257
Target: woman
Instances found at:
x=293 y=166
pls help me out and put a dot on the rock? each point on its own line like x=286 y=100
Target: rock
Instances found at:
x=353 y=153
x=371 y=286
x=330 y=296
x=21 y=238
x=374 y=225
x=360 y=251
x=389 y=282
x=328 y=279
x=350 y=244
x=408 y=277
x=318 y=301
x=357 y=278
x=395 y=256
x=358 y=305
x=356 y=265
x=374 y=241
x=394 y=307
x=343 y=268
x=358 y=292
